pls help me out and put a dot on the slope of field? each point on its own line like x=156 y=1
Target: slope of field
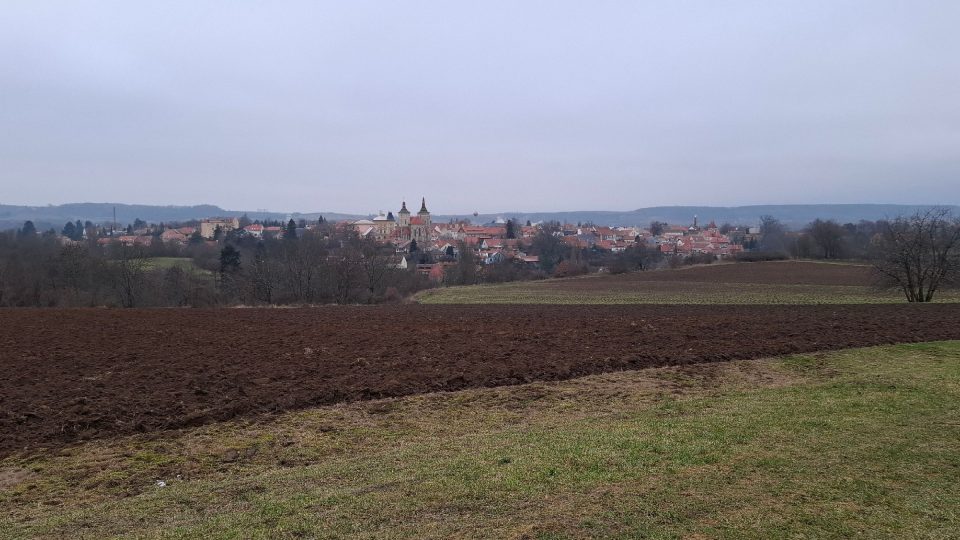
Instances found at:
x=859 y=443
x=780 y=282
x=70 y=375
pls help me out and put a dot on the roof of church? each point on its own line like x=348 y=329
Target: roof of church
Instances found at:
x=423 y=206
x=403 y=209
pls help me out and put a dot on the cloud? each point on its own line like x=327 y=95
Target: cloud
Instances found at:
x=479 y=106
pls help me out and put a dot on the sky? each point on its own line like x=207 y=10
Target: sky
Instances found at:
x=488 y=106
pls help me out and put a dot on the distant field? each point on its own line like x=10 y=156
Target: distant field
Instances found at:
x=858 y=443
x=781 y=282
x=163 y=263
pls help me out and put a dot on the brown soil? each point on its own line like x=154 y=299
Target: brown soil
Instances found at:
x=70 y=375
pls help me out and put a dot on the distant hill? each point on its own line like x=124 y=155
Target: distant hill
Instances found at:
x=45 y=217
x=792 y=215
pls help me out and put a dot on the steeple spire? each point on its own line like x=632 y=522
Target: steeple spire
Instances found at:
x=423 y=206
x=403 y=209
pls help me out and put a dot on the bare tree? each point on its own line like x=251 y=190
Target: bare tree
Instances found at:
x=828 y=235
x=348 y=274
x=919 y=254
x=264 y=276
x=657 y=227
x=129 y=269
x=464 y=272
x=772 y=235
x=375 y=261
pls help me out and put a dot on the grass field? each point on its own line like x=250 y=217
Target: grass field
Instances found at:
x=163 y=263
x=859 y=442
x=787 y=282
x=659 y=292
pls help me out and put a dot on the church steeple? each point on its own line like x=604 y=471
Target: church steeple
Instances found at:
x=423 y=206
x=403 y=209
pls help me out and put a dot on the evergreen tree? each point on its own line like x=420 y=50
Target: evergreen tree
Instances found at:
x=229 y=259
x=69 y=230
x=529 y=224
x=290 y=233
x=413 y=246
x=78 y=227
x=511 y=233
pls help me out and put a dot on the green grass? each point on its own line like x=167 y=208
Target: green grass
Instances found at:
x=633 y=289
x=863 y=442
x=164 y=263
x=662 y=292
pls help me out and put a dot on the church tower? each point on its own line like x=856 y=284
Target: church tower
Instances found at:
x=424 y=215
x=403 y=216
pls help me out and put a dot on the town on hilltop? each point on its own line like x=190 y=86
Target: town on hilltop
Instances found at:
x=505 y=240
x=418 y=242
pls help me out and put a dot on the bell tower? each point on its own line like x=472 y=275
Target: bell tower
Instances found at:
x=403 y=216
x=424 y=215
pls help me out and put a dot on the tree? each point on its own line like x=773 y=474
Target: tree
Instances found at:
x=28 y=230
x=549 y=248
x=657 y=228
x=244 y=221
x=511 y=233
x=413 y=246
x=635 y=257
x=465 y=271
x=69 y=230
x=828 y=235
x=529 y=224
x=290 y=233
x=919 y=254
x=375 y=262
x=229 y=259
x=129 y=269
x=772 y=235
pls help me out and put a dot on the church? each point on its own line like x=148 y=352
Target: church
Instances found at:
x=403 y=227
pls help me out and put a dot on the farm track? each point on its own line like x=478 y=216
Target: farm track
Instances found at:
x=71 y=375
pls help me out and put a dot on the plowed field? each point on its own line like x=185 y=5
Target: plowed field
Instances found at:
x=68 y=375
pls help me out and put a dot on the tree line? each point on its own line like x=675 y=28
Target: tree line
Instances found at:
x=321 y=266
x=918 y=255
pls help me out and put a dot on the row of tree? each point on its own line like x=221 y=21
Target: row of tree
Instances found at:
x=318 y=267
x=918 y=255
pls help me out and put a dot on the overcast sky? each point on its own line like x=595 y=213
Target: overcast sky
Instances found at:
x=489 y=106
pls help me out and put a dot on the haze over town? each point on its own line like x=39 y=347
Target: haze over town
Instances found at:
x=489 y=107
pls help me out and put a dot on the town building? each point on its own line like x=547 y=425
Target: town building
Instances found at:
x=208 y=227
x=400 y=229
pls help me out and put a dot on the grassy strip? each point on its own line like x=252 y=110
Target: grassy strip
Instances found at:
x=165 y=263
x=865 y=441
x=581 y=291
